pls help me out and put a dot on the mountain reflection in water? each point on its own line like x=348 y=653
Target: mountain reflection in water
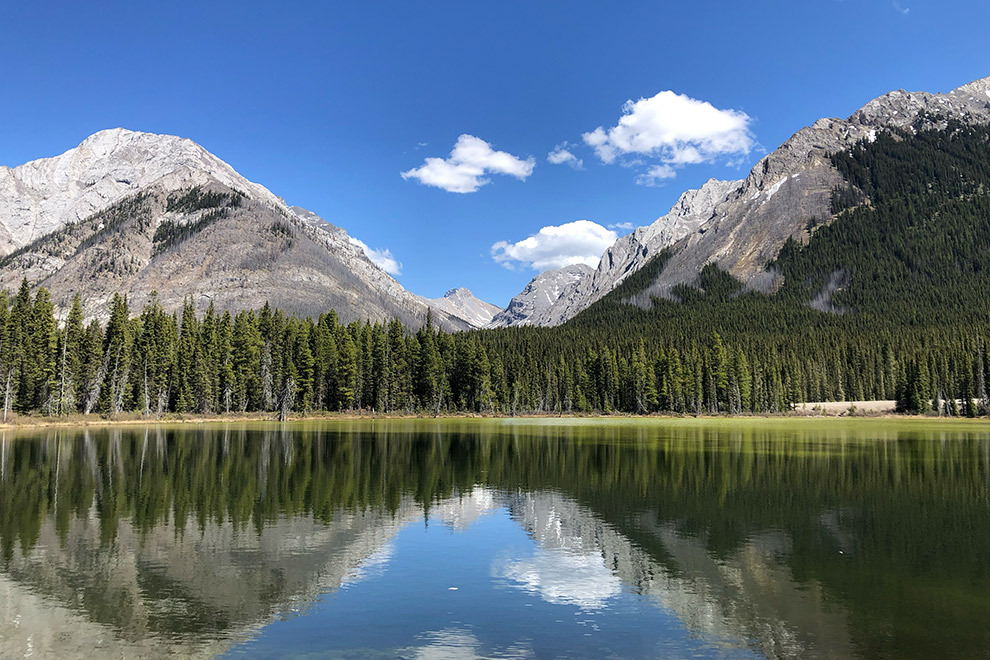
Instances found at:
x=783 y=539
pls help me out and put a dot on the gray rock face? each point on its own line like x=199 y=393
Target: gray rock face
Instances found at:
x=742 y=225
x=540 y=295
x=573 y=291
x=463 y=304
x=38 y=197
x=98 y=207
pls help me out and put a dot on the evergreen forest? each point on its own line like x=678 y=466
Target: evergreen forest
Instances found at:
x=888 y=299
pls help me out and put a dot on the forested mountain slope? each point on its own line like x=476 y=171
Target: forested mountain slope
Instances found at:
x=908 y=245
x=742 y=225
x=892 y=289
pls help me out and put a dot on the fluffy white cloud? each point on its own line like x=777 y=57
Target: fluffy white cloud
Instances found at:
x=622 y=226
x=382 y=257
x=676 y=129
x=561 y=155
x=656 y=174
x=465 y=169
x=578 y=242
x=563 y=577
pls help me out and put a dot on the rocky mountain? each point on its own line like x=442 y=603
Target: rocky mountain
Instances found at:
x=43 y=195
x=541 y=295
x=461 y=303
x=622 y=258
x=138 y=213
x=742 y=225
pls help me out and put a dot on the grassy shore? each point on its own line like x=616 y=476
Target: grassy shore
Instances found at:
x=869 y=409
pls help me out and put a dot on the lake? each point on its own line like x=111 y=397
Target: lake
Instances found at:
x=725 y=538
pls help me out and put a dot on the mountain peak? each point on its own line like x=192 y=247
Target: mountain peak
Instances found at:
x=978 y=86
x=113 y=141
x=112 y=134
x=463 y=304
x=110 y=196
x=545 y=292
x=43 y=195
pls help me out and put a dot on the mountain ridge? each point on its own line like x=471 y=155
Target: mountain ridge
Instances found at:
x=56 y=230
x=750 y=220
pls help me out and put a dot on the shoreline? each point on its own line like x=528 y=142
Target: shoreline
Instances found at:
x=817 y=411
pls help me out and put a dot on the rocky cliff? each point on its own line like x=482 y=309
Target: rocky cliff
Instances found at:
x=544 y=292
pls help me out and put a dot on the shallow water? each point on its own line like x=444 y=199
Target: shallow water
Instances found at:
x=505 y=539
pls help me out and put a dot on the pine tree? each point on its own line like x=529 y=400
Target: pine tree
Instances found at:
x=117 y=358
x=44 y=345
x=70 y=356
x=23 y=372
x=719 y=373
x=185 y=360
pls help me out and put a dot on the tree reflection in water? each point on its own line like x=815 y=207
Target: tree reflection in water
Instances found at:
x=842 y=539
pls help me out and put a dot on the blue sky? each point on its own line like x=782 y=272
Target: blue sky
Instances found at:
x=327 y=104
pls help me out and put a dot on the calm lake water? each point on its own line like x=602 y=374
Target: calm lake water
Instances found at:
x=498 y=539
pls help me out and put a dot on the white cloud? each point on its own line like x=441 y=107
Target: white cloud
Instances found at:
x=676 y=129
x=563 y=577
x=578 y=242
x=373 y=566
x=461 y=644
x=901 y=8
x=381 y=257
x=656 y=174
x=561 y=155
x=464 y=170
x=622 y=226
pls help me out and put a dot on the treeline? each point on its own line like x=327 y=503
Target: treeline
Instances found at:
x=904 y=280
x=157 y=362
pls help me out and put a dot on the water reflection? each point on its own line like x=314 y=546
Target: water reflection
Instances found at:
x=792 y=540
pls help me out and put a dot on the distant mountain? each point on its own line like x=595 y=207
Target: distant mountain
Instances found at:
x=627 y=255
x=741 y=226
x=137 y=213
x=461 y=303
x=541 y=295
x=43 y=195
